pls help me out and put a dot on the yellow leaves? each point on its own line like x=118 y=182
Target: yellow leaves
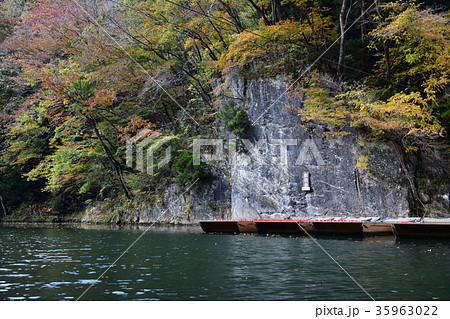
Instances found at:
x=421 y=45
x=400 y=112
x=261 y=44
x=411 y=149
x=415 y=54
x=280 y=46
x=59 y=168
x=363 y=162
x=406 y=113
x=188 y=43
x=264 y=3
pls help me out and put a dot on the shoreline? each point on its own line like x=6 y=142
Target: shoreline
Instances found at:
x=77 y=221
x=84 y=225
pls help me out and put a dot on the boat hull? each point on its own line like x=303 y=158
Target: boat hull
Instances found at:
x=277 y=227
x=247 y=227
x=339 y=228
x=328 y=227
x=422 y=230
x=229 y=226
x=377 y=229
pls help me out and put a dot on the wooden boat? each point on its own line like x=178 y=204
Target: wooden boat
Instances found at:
x=403 y=229
x=306 y=227
x=219 y=226
x=277 y=226
x=422 y=230
x=377 y=229
x=283 y=226
x=247 y=226
x=349 y=228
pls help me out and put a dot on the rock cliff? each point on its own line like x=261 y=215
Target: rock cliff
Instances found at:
x=281 y=168
x=346 y=175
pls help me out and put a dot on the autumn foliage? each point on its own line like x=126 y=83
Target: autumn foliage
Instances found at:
x=80 y=79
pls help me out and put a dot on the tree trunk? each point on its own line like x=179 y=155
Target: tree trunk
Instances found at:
x=387 y=57
x=275 y=17
x=113 y=162
x=364 y=49
x=342 y=25
x=410 y=179
x=3 y=206
x=260 y=11
x=358 y=191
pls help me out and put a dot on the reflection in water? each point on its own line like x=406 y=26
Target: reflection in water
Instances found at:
x=185 y=264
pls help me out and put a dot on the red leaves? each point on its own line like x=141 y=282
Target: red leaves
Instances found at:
x=54 y=16
x=137 y=129
x=102 y=98
x=51 y=27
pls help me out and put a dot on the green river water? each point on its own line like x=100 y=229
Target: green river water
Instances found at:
x=47 y=263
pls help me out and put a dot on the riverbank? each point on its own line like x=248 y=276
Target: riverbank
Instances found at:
x=111 y=212
x=195 y=228
x=180 y=212
x=79 y=220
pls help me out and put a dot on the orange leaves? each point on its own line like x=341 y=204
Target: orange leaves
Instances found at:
x=57 y=116
x=50 y=27
x=264 y=3
x=102 y=98
x=137 y=129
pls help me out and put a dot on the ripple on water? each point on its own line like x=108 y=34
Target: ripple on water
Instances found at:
x=225 y=273
x=119 y=293
x=34 y=297
x=16 y=298
x=86 y=281
x=17 y=275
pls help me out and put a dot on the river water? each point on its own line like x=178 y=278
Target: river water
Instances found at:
x=40 y=263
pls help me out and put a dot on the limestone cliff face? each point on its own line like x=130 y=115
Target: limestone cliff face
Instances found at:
x=347 y=176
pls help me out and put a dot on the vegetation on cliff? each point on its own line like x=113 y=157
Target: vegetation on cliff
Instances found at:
x=80 y=79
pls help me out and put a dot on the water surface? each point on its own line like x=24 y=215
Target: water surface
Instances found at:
x=185 y=264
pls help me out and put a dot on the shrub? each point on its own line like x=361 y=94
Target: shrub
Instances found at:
x=187 y=171
x=235 y=120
